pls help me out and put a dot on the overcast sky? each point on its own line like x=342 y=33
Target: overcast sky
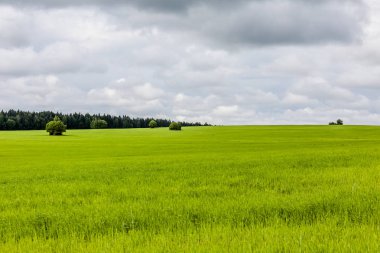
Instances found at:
x=216 y=61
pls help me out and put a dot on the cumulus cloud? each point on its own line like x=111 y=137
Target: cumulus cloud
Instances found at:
x=296 y=99
x=224 y=62
x=15 y=28
x=38 y=92
x=226 y=110
x=236 y=23
x=55 y=58
x=147 y=91
x=129 y=98
x=285 y=22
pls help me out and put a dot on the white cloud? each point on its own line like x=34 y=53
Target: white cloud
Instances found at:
x=32 y=92
x=121 y=80
x=217 y=61
x=296 y=99
x=129 y=98
x=225 y=110
x=147 y=91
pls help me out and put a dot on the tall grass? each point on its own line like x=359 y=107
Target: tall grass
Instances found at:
x=209 y=189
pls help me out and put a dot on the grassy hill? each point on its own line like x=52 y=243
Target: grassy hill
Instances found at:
x=205 y=189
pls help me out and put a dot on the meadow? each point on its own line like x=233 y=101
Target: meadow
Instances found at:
x=202 y=189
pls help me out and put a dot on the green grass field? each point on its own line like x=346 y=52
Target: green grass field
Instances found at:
x=206 y=189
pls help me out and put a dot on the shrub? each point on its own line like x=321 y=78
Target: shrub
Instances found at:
x=55 y=127
x=338 y=122
x=152 y=124
x=98 y=123
x=175 y=126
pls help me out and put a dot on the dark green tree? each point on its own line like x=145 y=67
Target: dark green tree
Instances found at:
x=98 y=123
x=175 y=126
x=152 y=124
x=10 y=124
x=338 y=122
x=55 y=127
x=2 y=120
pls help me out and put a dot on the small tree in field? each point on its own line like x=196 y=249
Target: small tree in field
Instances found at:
x=152 y=124
x=98 y=123
x=55 y=127
x=338 y=122
x=175 y=126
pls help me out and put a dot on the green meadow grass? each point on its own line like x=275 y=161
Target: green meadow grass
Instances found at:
x=205 y=189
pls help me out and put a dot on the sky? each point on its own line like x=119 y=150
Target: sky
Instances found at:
x=216 y=61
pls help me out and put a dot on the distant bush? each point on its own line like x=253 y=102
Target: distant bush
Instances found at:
x=175 y=126
x=98 y=124
x=338 y=122
x=152 y=124
x=55 y=127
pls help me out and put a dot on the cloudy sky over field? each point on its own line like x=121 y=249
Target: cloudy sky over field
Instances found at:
x=216 y=61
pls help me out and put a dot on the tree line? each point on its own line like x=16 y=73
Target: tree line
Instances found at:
x=25 y=120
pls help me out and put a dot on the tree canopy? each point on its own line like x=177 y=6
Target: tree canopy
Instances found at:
x=10 y=124
x=153 y=124
x=338 y=122
x=175 y=126
x=98 y=124
x=56 y=126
